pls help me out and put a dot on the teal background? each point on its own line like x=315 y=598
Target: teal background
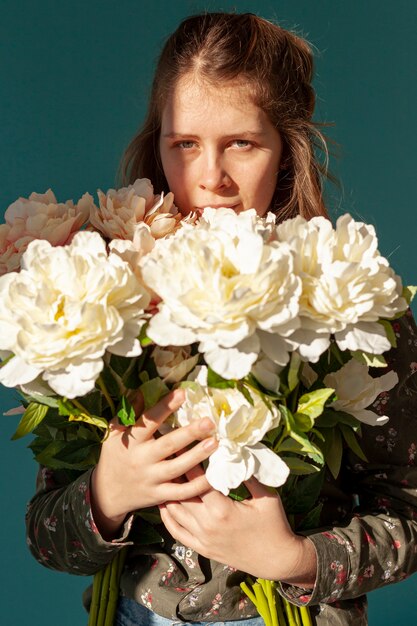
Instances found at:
x=73 y=83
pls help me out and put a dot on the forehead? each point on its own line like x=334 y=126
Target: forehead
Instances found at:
x=194 y=104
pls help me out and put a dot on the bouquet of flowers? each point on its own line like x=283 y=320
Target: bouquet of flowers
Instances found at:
x=271 y=330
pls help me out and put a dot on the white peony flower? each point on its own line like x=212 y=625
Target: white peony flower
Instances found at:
x=40 y=216
x=347 y=285
x=240 y=429
x=132 y=251
x=224 y=220
x=173 y=363
x=121 y=210
x=267 y=373
x=65 y=308
x=356 y=390
x=231 y=291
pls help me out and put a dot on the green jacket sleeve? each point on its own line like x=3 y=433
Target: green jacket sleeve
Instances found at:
x=61 y=531
x=376 y=545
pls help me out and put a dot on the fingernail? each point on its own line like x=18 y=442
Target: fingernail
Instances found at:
x=209 y=444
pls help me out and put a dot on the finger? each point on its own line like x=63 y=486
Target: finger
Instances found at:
x=138 y=403
x=153 y=417
x=180 y=438
x=176 y=530
x=195 y=471
x=185 y=491
x=182 y=464
x=258 y=490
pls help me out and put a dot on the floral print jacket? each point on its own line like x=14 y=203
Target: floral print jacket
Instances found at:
x=367 y=539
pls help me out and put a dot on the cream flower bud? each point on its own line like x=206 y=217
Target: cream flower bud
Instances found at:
x=173 y=363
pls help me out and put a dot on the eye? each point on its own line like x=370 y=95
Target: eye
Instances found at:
x=241 y=144
x=185 y=144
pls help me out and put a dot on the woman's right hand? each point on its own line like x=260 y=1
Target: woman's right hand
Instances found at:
x=137 y=470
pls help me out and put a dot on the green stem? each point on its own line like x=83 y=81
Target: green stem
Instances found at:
x=79 y=406
x=262 y=604
x=270 y=594
x=106 y=394
x=104 y=595
x=289 y=613
x=95 y=600
x=294 y=398
x=296 y=614
x=246 y=589
x=113 y=592
x=280 y=613
x=305 y=616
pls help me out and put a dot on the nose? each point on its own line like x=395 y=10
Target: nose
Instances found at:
x=213 y=174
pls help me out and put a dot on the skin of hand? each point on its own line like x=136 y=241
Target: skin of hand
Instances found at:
x=245 y=535
x=138 y=470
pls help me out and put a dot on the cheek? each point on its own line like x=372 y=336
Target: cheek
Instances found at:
x=260 y=186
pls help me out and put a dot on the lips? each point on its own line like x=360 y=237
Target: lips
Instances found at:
x=199 y=209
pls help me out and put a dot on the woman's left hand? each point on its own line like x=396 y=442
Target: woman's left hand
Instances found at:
x=253 y=535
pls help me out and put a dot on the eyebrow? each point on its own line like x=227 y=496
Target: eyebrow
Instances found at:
x=245 y=133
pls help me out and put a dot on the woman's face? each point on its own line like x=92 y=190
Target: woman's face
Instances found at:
x=218 y=148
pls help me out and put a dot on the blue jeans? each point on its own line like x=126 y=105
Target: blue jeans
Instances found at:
x=130 y=613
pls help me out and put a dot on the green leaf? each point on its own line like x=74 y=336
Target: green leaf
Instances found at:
x=389 y=331
x=293 y=369
x=246 y=393
x=152 y=391
x=333 y=452
x=215 y=380
x=371 y=360
x=73 y=453
x=126 y=412
x=352 y=442
x=51 y=401
x=289 y=445
x=303 y=495
x=94 y=420
x=143 y=337
x=409 y=292
x=120 y=364
x=303 y=422
x=312 y=403
x=287 y=417
x=330 y=418
x=299 y=467
x=66 y=407
x=312 y=519
x=151 y=515
x=240 y=493
x=47 y=455
x=33 y=416
x=147 y=534
x=93 y=402
x=111 y=381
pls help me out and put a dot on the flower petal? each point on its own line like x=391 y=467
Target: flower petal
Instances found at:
x=234 y=362
x=367 y=336
x=226 y=471
x=270 y=469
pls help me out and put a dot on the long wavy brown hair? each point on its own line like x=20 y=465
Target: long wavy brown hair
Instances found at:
x=277 y=67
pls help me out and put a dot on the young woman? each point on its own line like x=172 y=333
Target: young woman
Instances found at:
x=230 y=124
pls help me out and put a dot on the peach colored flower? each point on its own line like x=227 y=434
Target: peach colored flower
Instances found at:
x=40 y=216
x=121 y=210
